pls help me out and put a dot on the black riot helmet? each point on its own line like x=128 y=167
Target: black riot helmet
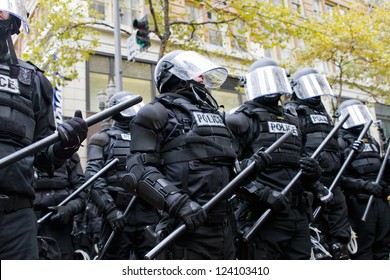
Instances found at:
x=308 y=85
x=359 y=114
x=128 y=114
x=266 y=81
x=179 y=68
x=18 y=15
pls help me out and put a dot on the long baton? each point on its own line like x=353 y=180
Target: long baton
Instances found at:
x=53 y=138
x=343 y=167
x=111 y=237
x=248 y=235
x=82 y=187
x=378 y=179
x=213 y=201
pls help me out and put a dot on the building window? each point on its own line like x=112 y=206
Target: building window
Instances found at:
x=316 y=8
x=239 y=38
x=102 y=8
x=227 y=96
x=215 y=34
x=129 y=11
x=136 y=78
x=193 y=15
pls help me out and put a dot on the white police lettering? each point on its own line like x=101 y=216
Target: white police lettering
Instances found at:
x=208 y=119
x=277 y=127
x=319 y=119
x=8 y=84
x=126 y=137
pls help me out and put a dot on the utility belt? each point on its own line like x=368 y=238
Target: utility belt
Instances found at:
x=121 y=199
x=9 y=204
x=218 y=213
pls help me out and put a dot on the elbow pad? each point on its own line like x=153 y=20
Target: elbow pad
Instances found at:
x=157 y=191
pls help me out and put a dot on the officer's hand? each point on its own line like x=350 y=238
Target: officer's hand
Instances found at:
x=116 y=219
x=322 y=193
x=261 y=159
x=73 y=132
x=358 y=146
x=276 y=200
x=190 y=212
x=61 y=214
x=311 y=170
x=372 y=188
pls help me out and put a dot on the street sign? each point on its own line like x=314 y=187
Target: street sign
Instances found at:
x=132 y=47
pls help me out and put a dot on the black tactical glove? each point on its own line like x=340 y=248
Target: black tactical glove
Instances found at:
x=256 y=192
x=372 y=188
x=358 y=147
x=311 y=171
x=261 y=160
x=116 y=219
x=190 y=212
x=322 y=193
x=72 y=133
x=61 y=214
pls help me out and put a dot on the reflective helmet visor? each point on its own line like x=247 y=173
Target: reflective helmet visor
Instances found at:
x=358 y=115
x=16 y=8
x=131 y=111
x=266 y=80
x=312 y=85
x=189 y=65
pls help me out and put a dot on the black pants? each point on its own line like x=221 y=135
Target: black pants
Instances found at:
x=18 y=235
x=284 y=236
x=373 y=234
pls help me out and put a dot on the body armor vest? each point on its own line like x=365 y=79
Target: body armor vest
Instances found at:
x=268 y=128
x=16 y=107
x=196 y=134
x=318 y=125
x=118 y=147
x=367 y=162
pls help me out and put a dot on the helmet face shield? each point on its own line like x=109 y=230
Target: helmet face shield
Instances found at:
x=131 y=111
x=312 y=85
x=16 y=8
x=358 y=115
x=265 y=81
x=189 y=65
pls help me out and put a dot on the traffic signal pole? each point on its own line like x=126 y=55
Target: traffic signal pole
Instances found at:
x=118 y=55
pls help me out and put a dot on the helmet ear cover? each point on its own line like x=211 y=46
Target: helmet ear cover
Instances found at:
x=15 y=25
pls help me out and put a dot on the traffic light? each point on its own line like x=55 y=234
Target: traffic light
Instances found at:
x=142 y=35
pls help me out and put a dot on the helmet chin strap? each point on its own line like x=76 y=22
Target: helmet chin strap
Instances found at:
x=203 y=95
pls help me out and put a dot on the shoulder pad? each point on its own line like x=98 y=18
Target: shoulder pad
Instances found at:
x=75 y=158
x=152 y=115
x=238 y=123
x=99 y=139
x=28 y=65
x=45 y=84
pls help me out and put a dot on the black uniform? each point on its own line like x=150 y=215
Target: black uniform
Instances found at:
x=357 y=183
x=52 y=189
x=187 y=149
x=333 y=219
x=26 y=116
x=285 y=235
x=112 y=200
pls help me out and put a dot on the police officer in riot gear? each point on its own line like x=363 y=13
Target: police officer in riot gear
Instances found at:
x=26 y=116
x=308 y=86
x=258 y=123
x=184 y=151
x=51 y=189
x=108 y=194
x=358 y=184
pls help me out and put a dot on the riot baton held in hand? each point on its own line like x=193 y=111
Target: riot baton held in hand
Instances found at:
x=248 y=235
x=343 y=167
x=111 y=237
x=215 y=200
x=82 y=187
x=378 y=179
x=51 y=139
